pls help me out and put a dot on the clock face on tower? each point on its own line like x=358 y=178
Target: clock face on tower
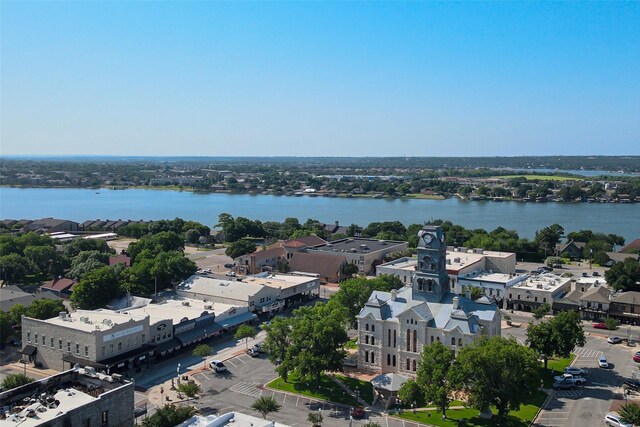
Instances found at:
x=425 y=238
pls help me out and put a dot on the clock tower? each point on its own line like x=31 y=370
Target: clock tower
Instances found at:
x=431 y=276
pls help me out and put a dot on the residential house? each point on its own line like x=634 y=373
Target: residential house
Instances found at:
x=625 y=306
x=571 y=249
x=60 y=286
x=52 y=225
x=631 y=246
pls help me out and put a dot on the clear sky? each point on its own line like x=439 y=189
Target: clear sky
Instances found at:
x=320 y=79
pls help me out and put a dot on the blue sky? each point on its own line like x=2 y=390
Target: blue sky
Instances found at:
x=320 y=78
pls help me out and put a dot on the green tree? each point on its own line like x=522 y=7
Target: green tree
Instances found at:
x=265 y=405
x=14 y=268
x=611 y=323
x=630 y=413
x=244 y=332
x=15 y=380
x=44 y=258
x=348 y=270
x=240 y=247
x=549 y=237
x=496 y=372
x=45 y=309
x=278 y=338
x=475 y=292
x=189 y=388
x=552 y=261
x=96 y=289
x=557 y=337
x=542 y=310
x=624 y=276
x=5 y=327
x=204 y=351
x=315 y=418
x=434 y=370
x=87 y=261
x=410 y=391
x=316 y=339
x=169 y=416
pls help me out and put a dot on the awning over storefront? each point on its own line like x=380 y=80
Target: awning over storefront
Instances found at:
x=168 y=345
x=198 y=333
x=129 y=355
x=237 y=320
x=29 y=350
x=74 y=360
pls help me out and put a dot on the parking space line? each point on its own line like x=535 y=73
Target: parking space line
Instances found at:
x=231 y=363
x=240 y=359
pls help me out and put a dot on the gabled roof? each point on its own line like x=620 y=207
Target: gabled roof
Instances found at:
x=635 y=244
x=322 y=264
x=59 y=284
x=305 y=241
x=562 y=246
x=268 y=253
x=630 y=297
x=120 y=259
x=596 y=294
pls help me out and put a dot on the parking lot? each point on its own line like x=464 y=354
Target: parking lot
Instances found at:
x=238 y=389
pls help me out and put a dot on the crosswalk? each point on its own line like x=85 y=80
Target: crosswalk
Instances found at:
x=569 y=393
x=250 y=389
x=586 y=352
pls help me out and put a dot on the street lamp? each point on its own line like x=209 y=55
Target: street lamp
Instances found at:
x=178 y=371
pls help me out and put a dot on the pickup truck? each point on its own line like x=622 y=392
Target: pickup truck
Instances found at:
x=570 y=379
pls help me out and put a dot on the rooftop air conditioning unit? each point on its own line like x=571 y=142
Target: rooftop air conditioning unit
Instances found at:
x=208 y=307
x=185 y=303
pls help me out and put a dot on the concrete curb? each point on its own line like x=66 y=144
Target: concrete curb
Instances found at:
x=550 y=396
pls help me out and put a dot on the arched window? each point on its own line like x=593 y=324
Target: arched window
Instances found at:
x=414 y=365
x=459 y=342
x=394 y=360
x=408 y=339
x=415 y=340
x=431 y=339
x=408 y=364
x=366 y=327
x=388 y=337
x=421 y=284
x=453 y=341
x=438 y=338
x=366 y=339
x=373 y=328
x=388 y=359
x=373 y=340
x=366 y=356
x=429 y=285
x=373 y=357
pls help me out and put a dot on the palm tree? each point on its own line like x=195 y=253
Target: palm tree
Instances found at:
x=266 y=405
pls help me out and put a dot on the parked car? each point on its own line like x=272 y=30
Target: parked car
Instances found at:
x=253 y=352
x=218 y=366
x=614 y=340
x=595 y=273
x=228 y=265
x=599 y=326
x=563 y=385
x=576 y=372
x=585 y=274
x=632 y=384
x=358 y=413
x=602 y=362
x=636 y=357
x=230 y=274
x=570 y=378
x=613 y=419
x=258 y=348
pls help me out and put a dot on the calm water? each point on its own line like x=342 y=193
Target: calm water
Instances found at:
x=81 y=204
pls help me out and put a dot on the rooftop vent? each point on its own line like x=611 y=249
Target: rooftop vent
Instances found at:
x=363 y=246
x=185 y=303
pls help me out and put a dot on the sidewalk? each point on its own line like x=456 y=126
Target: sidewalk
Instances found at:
x=31 y=371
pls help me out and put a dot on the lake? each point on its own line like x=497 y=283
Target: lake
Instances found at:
x=134 y=204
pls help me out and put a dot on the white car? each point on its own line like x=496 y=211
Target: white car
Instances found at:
x=614 y=419
x=614 y=340
x=602 y=362
x=576 y=372
x=218 y=366
x=570 y=379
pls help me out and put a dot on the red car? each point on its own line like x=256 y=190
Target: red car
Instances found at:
x=599 y=326
x=636 y=357
x=358 y=413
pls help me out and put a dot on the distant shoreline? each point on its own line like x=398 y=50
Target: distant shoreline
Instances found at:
x=315 y=194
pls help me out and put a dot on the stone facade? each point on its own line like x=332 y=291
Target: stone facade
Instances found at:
x=393 y=327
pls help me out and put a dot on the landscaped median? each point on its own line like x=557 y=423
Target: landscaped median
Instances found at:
x=471 y=417
x=326 y=390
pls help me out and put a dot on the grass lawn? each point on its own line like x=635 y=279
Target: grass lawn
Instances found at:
x=352 y=344
x=521 y=418
x=542 y=177
x=424 y=196
x=365 y=388
x=328 y=390
x=554 y=365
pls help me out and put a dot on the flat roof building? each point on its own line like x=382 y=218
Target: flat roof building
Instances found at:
x=536 y=290
x=365 y=253
x=77 y=397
